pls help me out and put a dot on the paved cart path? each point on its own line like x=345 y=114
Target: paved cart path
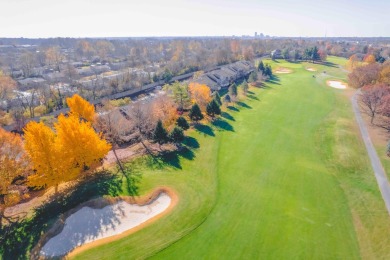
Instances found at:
x=379 y=171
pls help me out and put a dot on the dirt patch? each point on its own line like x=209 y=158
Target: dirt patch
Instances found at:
x=148 y=202
x=282 y=70
x=337 y=84
x=311 y=69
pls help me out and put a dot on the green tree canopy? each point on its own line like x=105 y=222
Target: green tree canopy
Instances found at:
x=195 y=114
x=217 y=98
x=261 y=67
x=180 y=95
x=213 y=108
x=233 y=90
x=176 y=136
x=182 y=122
x=160 y=134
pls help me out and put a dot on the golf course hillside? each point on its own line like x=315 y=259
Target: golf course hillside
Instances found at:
x=281 y=174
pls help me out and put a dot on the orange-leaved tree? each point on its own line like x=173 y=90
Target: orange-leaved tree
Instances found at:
x=200 y=94
x=164 y=109
x=353 y=62
x=13 y=163
x=81 y=108
x=369 y=58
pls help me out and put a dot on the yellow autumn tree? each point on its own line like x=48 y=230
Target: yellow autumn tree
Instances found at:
x=81 y=108
x=384 y=74
x=13 y=159
x=79 y=142
x=200 y=94
x=353 y=62
x=13 y=163
x=51 y=166
x=62 y=155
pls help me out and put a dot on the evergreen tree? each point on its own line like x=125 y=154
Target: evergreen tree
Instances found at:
x=176 y=136
x=217 y=98
x=296 y=55
x=253 y=77
x=261 y=67
x=233 y=90
x=160 y=135
x=227 y=99
x=245 y=87
x=286 y=54
x=213 y=108
x=268 y=71
x=182 y=122
x=180 y=95
x=314 y=54
x=308 y=54
x=195 y=114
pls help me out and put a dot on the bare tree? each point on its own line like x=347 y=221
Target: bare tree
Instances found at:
x=28 y=101
x=7 y=86
x=113 y=126
x=27 y=63
x=371 y=99
x=140 y=116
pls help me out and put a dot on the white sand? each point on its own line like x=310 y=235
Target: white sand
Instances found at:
x=311 y=69
x=336 y=84
x=88 y=224
x=282 y=70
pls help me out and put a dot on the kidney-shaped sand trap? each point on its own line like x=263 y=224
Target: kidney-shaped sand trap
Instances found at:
x=311 y=69
x=87 y=224
x=282 y=70
x=337 y=84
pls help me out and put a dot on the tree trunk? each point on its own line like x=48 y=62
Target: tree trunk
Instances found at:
x=118 y=161
x=2 y=210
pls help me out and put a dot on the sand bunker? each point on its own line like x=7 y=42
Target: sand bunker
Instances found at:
x=282 y=70
x=337 y=84
x=88 y=224
x=311 y=69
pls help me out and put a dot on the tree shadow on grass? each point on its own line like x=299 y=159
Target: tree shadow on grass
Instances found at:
x=205 y=129
x=232 y=108
x=329 y=64
x=132 y=176
x=227 y=116
x=221 y=125
x=172 y=158
x=274 y=80
x=17 y=239
x=191 y=142
x=253 y=97
x=243 y=104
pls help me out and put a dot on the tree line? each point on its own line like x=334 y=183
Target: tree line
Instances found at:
x=373 y=79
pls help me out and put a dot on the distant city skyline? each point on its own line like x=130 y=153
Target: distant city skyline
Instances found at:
x=123 y=18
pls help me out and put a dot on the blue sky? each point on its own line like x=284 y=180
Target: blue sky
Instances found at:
x=108 y=18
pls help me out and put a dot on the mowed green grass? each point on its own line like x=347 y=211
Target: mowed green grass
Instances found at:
x=291 y=181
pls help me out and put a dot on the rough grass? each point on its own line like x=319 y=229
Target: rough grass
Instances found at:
x=291 y=180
